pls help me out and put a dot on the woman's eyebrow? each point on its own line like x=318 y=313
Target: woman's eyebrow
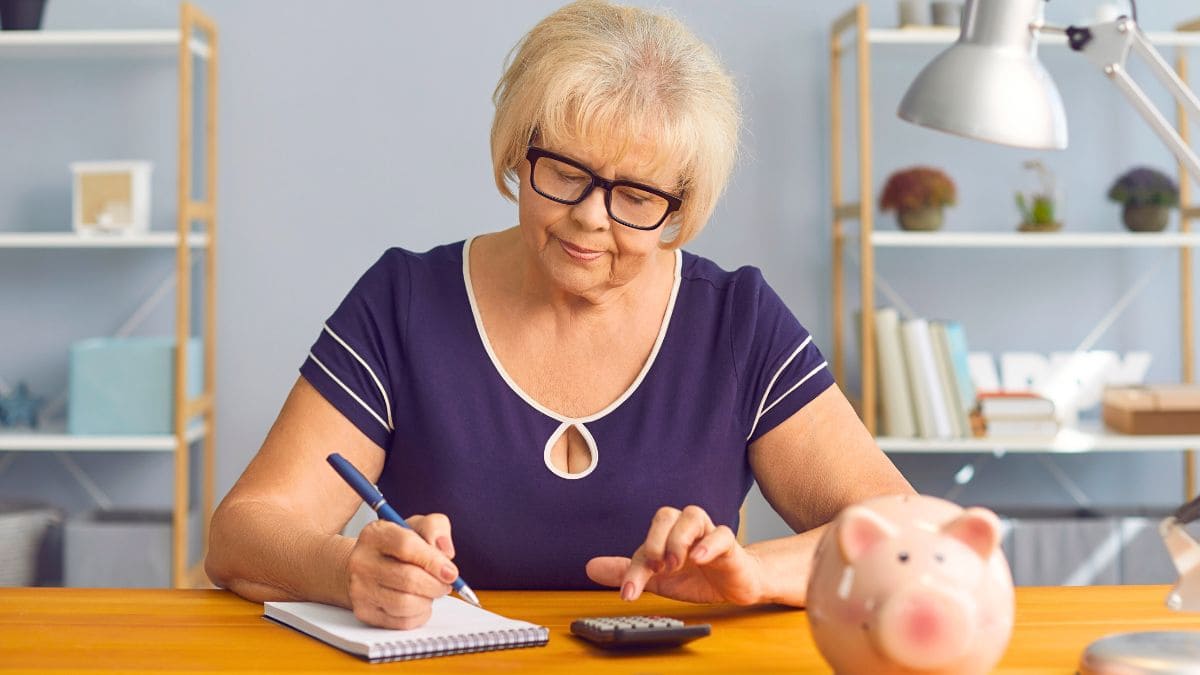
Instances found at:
x=632 y=178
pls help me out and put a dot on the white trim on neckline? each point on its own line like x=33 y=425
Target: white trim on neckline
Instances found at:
x=487 y=345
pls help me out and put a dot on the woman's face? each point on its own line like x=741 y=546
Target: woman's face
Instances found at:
x=579 y=247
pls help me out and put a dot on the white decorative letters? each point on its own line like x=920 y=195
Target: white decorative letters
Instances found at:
x=1075 y=381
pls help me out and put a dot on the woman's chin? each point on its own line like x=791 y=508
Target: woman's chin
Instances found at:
x=577 y=282
x=571 y=277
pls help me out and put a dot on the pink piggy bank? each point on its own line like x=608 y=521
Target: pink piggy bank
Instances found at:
x=911 y=584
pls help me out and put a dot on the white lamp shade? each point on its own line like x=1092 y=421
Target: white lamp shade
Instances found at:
x=989 y=85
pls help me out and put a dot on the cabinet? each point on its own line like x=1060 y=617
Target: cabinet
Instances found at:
x=853 y=38
x=194 y=233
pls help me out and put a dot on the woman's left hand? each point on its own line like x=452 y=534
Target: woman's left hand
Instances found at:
x=685 y=557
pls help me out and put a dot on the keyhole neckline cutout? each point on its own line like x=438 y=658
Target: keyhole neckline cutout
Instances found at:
x=587 y=438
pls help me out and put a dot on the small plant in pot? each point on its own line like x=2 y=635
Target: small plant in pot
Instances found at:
x=21 y=14
x=1147 y=197
x=918 y=195
x=1039 y=205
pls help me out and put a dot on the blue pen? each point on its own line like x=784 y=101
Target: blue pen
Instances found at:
x=374 y=498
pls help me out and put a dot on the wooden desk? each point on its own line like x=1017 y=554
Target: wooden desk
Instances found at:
x=129 y=630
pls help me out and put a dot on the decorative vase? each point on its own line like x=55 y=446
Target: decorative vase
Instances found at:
x=947 y=14
x=913 y=12
x=921 y=219
x=1053 y=226
x=21 y=14
x=1146 y=218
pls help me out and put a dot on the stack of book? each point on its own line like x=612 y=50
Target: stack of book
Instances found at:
x=1014 y=414
x=925 y=388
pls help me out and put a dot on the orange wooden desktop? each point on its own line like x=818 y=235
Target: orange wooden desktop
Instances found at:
x=43 y=629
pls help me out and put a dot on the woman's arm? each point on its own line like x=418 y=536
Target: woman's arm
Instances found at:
x=809 y=468
x=275 y=536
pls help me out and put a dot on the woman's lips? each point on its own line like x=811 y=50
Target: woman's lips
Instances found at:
x=581 y=254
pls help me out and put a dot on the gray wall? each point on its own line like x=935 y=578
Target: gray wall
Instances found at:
x=350 y=127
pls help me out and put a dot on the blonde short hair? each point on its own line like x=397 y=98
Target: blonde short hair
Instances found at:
x=618 y=76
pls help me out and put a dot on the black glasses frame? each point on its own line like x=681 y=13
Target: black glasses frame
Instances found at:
x=534 y=153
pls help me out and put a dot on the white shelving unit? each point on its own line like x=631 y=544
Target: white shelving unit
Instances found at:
x=900 y=239
x=1086 y=438
x=56 y=440
x=48 y=240
x=108 y=43
x=195 y=421
x=847 y=37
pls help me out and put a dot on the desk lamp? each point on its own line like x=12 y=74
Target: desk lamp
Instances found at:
x=989 y=85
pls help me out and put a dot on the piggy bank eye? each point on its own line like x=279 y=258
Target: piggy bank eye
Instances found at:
x=903 y=557
x=939 y=557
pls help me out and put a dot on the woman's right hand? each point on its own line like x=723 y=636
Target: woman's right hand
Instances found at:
x=395 y=574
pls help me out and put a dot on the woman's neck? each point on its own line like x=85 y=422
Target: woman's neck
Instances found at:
x=519 y=276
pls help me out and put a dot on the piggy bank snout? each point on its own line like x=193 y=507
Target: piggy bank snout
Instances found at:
x=924 y=628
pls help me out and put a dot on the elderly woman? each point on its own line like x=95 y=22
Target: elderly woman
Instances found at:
x=572 y=401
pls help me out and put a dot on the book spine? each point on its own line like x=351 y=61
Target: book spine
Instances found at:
x=920 y=398
x=1040 y=428
x=956 y=338
x=941 y=353
x=899 y=417
x=924 y=368
x=1019 y=407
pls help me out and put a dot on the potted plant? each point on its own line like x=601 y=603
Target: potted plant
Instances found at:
x=1147 y=196
x=21 y=14
x=917 y=195
x=1039 y=205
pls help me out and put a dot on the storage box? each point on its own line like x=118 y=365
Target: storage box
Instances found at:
x=127 y=385
x=1153 y=409
x=1118 y=545
x=110 y=196
x=122 y=548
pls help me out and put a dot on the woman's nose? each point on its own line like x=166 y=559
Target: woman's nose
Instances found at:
x=592 y=212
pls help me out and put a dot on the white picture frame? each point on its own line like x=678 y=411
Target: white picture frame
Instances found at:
x=110 y=197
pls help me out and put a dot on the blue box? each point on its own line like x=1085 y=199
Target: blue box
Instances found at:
x=127 y=385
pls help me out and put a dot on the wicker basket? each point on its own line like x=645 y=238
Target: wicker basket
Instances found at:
x=23 y=528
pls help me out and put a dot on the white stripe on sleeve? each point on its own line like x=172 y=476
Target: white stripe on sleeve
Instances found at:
x=804 y=379
x=763 y=408
x=382 y=392
x=352 y=394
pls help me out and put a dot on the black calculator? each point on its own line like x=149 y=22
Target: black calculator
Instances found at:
x=638 y=631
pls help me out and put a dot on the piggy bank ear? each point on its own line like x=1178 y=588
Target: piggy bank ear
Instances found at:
x=978 y=528
x=859 y=530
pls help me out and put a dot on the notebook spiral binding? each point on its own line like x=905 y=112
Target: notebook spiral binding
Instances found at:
x=420 y=648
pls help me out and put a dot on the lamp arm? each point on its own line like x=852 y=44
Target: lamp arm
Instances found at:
x=1157 y=122
x=1179 y=91
x=1165 y=73
x=1108 y=46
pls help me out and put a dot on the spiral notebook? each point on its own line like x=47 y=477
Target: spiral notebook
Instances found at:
x=456 y=627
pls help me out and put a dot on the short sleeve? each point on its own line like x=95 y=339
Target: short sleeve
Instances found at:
x=359 y=348
x=780 y=369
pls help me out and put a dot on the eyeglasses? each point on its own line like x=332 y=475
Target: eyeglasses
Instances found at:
x=566 y=181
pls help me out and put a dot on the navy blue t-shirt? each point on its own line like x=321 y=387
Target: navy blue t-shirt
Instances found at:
x=406 y=360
